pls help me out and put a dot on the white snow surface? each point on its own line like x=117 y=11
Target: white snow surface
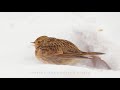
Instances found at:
x=18 y=29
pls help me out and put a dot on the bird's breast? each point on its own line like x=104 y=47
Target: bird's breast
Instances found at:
x=38 y=53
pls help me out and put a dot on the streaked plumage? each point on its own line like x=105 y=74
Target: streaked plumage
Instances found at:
x=58 y=51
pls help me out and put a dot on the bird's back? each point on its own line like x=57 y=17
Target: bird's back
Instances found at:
x=66 y=46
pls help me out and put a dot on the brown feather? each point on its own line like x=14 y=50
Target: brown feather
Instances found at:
x=55 y=50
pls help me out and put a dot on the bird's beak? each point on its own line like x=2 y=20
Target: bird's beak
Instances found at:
x=32 y=42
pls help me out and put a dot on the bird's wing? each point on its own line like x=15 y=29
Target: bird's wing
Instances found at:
x=68 y=47
x=53 y=46
x=50 y=47
x=73 y=56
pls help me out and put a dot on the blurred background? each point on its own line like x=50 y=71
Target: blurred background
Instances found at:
x=18 y=29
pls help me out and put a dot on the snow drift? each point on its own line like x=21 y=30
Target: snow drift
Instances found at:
x=89 y=31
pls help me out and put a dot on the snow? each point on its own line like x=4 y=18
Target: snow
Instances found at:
x=18 y=29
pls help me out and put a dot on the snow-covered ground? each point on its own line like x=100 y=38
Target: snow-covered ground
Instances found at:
x=18 y=29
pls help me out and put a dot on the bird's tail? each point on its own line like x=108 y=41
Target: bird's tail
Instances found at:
x=92 y=53
x=80 y=55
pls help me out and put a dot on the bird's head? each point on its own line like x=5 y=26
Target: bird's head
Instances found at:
x=38 y=41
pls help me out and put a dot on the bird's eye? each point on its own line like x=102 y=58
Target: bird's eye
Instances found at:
x=38 y=41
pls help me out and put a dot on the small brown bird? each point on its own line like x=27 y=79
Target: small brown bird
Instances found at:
x=58 y=51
